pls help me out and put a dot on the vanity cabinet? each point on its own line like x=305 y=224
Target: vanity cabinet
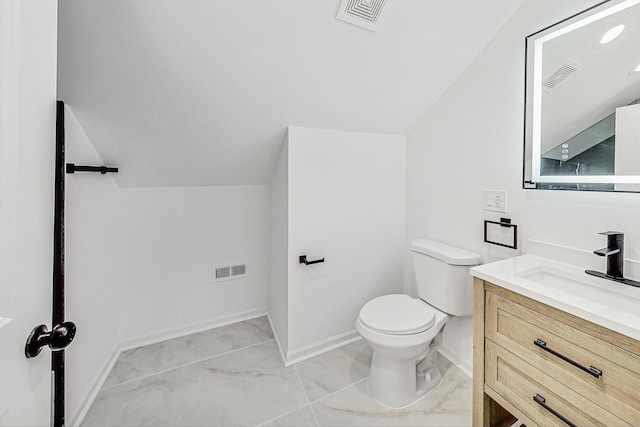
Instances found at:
x=546 y=367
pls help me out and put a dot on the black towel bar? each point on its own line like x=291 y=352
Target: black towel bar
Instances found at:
x=504 y=222
x=73 y=168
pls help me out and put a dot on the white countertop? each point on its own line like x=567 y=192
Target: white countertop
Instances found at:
x=567 y=287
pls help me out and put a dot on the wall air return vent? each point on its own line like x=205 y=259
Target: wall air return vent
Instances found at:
x=560 y=75
x=222 y=273
x=363 y=13
x=228 y=272
x=238 y=270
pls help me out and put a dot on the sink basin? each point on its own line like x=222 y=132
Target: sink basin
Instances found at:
x=581 y=287
x=549 y=277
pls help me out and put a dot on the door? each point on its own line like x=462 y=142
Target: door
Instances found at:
x=627 y=151
x=28 y=37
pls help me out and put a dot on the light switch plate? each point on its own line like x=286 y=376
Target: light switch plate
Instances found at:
x=494 y=200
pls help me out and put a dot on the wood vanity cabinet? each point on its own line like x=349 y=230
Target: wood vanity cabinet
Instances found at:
x=545 y=367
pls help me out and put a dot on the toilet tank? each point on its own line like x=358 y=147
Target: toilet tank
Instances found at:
x=442 y=276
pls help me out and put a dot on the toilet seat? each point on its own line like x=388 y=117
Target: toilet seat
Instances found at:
x=397 y=314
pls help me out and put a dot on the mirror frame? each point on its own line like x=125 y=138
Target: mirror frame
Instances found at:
x=533 y=101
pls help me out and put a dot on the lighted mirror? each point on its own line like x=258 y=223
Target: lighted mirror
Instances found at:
x=582 y=122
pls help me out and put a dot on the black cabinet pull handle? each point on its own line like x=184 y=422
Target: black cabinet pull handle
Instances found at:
x=542 y=402
x=590 y=370
x=303 y=260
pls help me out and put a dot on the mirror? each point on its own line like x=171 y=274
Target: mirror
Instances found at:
x=582 y=101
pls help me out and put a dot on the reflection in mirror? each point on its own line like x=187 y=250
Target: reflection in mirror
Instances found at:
x=582 y=127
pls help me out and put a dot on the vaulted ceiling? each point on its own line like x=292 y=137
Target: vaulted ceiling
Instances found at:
x=200 y=92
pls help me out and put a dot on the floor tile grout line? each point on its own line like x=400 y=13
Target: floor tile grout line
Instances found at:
x=185 y=364
x=338 y=391
x=306 y=395
x=282 y=415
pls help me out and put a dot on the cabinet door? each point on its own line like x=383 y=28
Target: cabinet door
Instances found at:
x=602 y=372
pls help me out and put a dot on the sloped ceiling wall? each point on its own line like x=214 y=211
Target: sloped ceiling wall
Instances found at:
x=199 y=92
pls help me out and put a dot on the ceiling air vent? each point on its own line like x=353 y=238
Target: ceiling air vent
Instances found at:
x=560 y=75
x=363 y=13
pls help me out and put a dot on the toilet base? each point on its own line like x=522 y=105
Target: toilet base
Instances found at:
x=398 y=382
x=424 y=385
x=429 y=381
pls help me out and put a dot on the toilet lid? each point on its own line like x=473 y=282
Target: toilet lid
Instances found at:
x=397 y=314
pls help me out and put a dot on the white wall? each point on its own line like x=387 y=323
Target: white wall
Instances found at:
x=279 y=255
x=93 y=280
x=346 y=204
x=170 y=240
x=139 y=263
x=472 y=139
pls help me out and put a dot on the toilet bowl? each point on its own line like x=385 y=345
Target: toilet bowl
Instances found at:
x=405 y=333
x=401 y=332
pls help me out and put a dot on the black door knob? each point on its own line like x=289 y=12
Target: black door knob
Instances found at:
x=58 y=338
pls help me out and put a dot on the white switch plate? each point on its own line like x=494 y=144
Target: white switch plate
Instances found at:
x=494 y=200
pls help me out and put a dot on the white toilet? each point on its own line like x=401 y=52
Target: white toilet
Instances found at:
x=405 y=333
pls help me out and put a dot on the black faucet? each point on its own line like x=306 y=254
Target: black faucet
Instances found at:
x=614 y=252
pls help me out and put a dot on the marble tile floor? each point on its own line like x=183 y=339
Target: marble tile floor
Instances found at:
x=234 y=376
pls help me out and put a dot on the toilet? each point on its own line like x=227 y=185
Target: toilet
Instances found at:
x=405 y=333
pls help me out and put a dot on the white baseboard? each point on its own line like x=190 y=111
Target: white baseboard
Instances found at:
x=464 y=365
x=147 y=339
x=92 y=393
x=312 y=350
x=192 y=328
x=276 y=335
x=320 y=347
